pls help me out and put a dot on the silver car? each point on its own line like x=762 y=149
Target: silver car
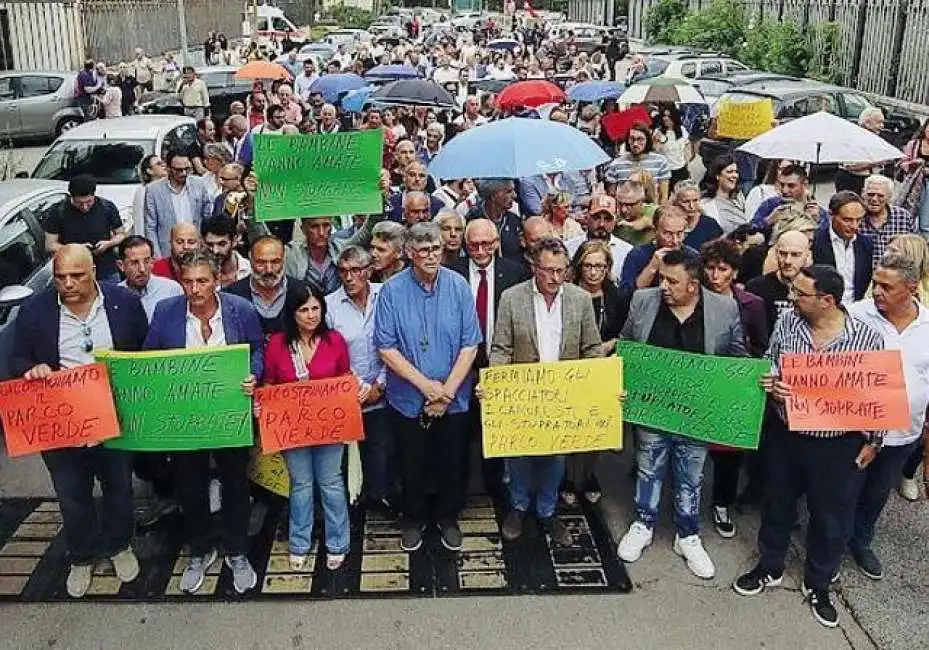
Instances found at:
x=25 y=267
x=37 y=104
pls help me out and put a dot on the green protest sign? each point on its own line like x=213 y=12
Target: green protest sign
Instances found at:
x=712 y=399
x=181 y=400
x=319 y=175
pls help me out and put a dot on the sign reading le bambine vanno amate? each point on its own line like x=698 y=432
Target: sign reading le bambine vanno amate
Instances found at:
x=181 y=400
x=320 y=175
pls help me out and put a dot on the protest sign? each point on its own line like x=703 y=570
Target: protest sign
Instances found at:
x=270 y=472
x=308 y=413
x=744 y=120
x=321 y=175
x=69 y=409
x=543 y=409
x=712 y=399
x=846 y=391
x=181 y=400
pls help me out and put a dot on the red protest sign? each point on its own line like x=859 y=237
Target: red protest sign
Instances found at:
x=69 y=409
x=846 y=391
x=308 y=413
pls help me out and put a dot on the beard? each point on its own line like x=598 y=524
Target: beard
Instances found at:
x=268 y=280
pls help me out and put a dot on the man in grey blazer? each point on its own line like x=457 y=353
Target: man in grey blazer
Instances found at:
x=181 y=197
x=682 y=315
x=542 y=320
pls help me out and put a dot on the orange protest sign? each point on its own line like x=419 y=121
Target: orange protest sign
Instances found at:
x=846 y=391
x=307 y=413
x=70 y=408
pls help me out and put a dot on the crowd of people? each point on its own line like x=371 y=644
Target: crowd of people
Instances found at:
x=458 y=274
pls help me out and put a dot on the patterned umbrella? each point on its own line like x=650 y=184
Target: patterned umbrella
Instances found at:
x=661 y=90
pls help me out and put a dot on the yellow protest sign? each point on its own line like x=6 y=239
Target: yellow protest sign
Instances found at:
x=270 y=472
x=543 y=409
x=744 y=120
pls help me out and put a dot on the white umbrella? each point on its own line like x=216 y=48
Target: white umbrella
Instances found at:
x=661 y=89
x=821 y=138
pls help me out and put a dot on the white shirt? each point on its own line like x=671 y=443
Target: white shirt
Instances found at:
x=78 y=338
x=673 y=148
x=844 y=264
x=915 y=354
x=243 y=268
x=195 y=335
x=302 y=85
x=181 y=202
x=474 y=278
x=155 y=291
x=445 y=75
x=618 y=249
x=547 y=324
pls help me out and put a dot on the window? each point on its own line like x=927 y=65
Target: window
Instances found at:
x=689 y=70
x=280 y=25
x=711 y=67
x=33 y=86
x=854 y=105
x=180 y=138
x=21 y=255
x=110 y=162
x=735 y=65
x=6 y=88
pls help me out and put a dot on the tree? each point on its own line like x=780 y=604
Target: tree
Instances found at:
x=662 y=19
x=718 y=28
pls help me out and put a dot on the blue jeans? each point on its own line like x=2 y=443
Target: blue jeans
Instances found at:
x=869 y=490
x=656 y=451
x=321 y=464
x=548 y=471
x=376 y=454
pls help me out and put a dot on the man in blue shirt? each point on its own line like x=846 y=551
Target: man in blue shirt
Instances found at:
x=640 y=270
x=794 y=186
x=426 y=332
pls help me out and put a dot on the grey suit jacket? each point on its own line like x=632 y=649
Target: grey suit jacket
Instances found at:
x=722 y=325
x=515 y=337
x=159 y=211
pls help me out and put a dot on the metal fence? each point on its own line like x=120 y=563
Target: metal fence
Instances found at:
x=882 y=45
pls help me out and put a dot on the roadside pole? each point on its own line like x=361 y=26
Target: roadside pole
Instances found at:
x=182 y=25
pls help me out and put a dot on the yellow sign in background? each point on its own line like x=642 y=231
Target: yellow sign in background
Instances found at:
x=744 y=120
x=543 y=409
x=270 y=472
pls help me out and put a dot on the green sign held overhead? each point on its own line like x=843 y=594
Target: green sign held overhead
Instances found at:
x=712 y=399
x=321 y=175
x=181 y=400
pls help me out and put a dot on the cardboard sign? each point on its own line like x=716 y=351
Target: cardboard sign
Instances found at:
x=711 y=399
x=744 y=120
x=181 y=400
x=318 y=175
x=308 y=413
x=270 y=472
x=544 y=409
x=69 y=409
x=846 y=391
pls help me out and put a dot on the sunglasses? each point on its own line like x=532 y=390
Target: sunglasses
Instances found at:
x=87 y=345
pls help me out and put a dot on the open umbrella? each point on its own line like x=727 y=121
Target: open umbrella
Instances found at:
x=516 y=148
x=595 y=91
x=393 y=72
x=491 y=85
x=661 y=90
x=262 y=70
x=529 y=94
x=617 y=124
x=502 y=44
x=414 y=92
x=354 y=100
x=822 y=138
x=333 y=86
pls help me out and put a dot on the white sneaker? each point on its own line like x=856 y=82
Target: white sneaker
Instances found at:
x=691 y=549
x=909 y=489
x=79 y=578
x=216 y=496
x=636 y=540
x=126 y=565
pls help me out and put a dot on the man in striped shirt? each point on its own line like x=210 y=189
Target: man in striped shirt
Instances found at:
x=819 y=464
x=883 y=221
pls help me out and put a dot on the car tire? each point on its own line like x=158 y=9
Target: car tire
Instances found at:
x=66 y=124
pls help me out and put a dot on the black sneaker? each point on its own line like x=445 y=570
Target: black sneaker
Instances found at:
x=723 y=522
x=450 y=534
x=756 y=581
x=412 y=536
x=868 y=563
x=513 y=525
x=821 y=606
x=556 y=530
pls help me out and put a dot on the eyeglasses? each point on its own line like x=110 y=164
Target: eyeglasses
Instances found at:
x=797 y=293
x=557 y=272
x=181 y=170
x=87 y=345
x=229 y=178
x=426 y=251
x=628 y=204
x=352 y=270
x=594 y=267
x=482 y=245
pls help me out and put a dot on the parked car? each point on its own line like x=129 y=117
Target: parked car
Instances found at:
x=110 y=150
x=25 y=267
x=798 y=98
x=714 y=86
x=468 y=20
x=37 y=104
x=691 y=65
x=221 y=85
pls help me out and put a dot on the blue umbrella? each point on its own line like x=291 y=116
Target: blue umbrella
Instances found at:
x=393 y=72
x=502 y=44
x=333 y=85
x=516 y=148
x=354 y=100
x=595 y=91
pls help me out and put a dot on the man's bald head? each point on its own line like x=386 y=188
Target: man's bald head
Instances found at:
x=535 y=229
x=481 y=241
x=792 y=252
x=73 y=274
x=416 y=207
x=184 y=238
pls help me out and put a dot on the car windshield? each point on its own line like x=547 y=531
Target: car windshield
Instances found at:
x=111 y=163
x=711 y=87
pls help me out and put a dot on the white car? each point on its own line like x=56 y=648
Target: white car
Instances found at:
x=468 y=20
x=110 y=150
x=691 y=66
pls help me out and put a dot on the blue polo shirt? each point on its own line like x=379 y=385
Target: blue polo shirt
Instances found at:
x=429 y=328
x=636 y=261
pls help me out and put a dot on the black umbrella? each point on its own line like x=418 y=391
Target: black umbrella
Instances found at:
x=491 y=85
x=414 y=92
